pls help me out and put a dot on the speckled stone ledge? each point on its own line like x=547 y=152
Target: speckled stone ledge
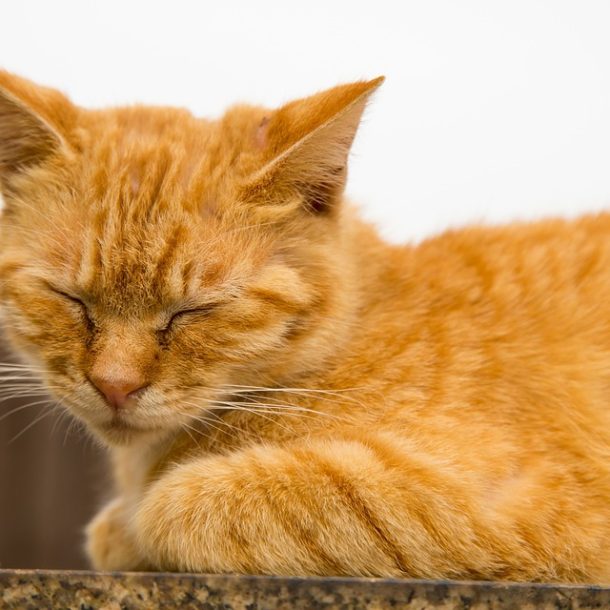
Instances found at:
x=39 y=590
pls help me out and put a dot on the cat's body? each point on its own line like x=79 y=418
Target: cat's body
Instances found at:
x=325 y=403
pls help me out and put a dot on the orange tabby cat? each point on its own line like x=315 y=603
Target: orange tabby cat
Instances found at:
x=281 y=391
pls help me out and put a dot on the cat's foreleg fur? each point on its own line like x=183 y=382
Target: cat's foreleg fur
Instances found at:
x=321 y=507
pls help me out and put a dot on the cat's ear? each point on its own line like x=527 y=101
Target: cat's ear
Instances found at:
x=303 y=149
x=33 y=124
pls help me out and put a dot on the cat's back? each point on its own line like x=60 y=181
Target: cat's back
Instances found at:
x=504 y=326
x=522 y=284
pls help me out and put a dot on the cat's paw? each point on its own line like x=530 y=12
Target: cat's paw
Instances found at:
x=109 y=543
x=174 y=524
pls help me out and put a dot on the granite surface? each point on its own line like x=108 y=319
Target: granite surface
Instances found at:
x=39 y=590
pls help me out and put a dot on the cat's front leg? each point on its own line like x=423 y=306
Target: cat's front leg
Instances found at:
x=109 y=542
x=321 y=507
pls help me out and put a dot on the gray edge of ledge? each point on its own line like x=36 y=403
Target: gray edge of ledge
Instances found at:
x=41 y=589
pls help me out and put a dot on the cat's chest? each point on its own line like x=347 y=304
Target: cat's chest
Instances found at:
x=134 y=468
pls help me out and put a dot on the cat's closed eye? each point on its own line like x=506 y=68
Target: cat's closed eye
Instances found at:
x=188 y=315
x=77 y=303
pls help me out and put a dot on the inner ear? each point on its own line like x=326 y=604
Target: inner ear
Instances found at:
x=25 y=139
x=303 y=148
x=319 y=195
x=27 y=135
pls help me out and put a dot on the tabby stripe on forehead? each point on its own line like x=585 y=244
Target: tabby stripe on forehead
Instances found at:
x=187 y=272
x=97 y=260
x=165 y=258
x=157 y=176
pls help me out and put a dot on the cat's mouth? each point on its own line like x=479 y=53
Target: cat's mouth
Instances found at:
x=119 y=430
x=116 y=423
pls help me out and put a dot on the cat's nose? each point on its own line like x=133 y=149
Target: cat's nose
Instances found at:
x=118 y=391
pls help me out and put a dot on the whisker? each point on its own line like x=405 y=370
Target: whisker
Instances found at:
x=18 y=388
x=229 y=425
x=22 y=407
x=255 y=411
x=58 y=419
x=67 y=432
x=62 y=415
x=291 y=389
x=19 y=377
x=282 y=407
x=26 y=383
x=262 y=410
x=331 y=395
x=11 y=393
x=186 y=428
x=76 y=425
x=273 y=408
x=31 y=424
x=204 y=419
x=19 y=365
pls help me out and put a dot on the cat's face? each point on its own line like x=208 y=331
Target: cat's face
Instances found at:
x=150 y=260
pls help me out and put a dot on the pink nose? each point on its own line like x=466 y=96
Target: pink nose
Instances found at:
x=118 y=391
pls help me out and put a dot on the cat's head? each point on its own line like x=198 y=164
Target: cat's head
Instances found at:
x=149 y=259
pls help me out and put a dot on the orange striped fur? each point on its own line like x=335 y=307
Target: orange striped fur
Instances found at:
x=310 y=399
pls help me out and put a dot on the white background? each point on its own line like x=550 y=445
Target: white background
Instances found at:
x=492 y=110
